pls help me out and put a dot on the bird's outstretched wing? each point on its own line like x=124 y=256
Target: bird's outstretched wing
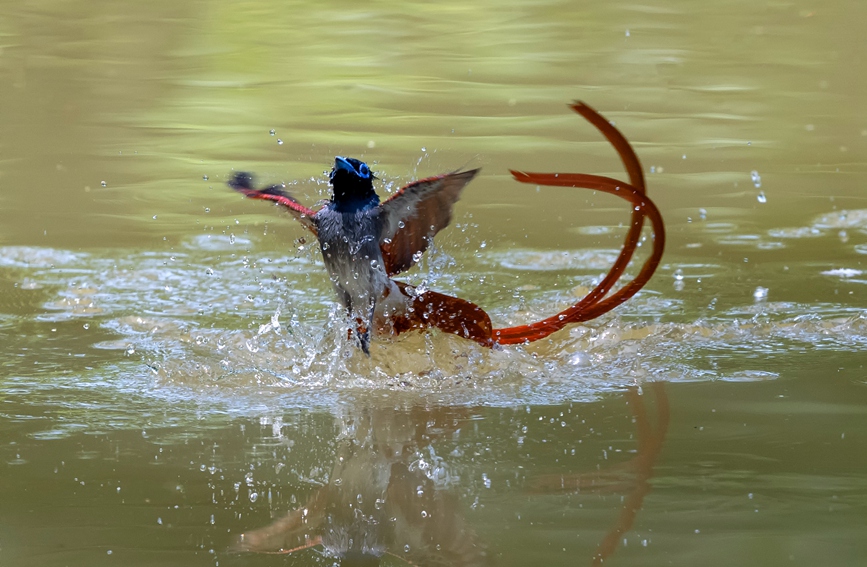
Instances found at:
x=243 y=183
x=412 y=216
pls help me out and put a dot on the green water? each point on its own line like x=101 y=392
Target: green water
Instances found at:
x=170 y=372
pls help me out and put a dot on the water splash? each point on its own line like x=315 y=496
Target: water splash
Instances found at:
x=180 y=333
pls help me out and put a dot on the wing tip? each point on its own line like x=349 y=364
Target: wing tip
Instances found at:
x=241 y=180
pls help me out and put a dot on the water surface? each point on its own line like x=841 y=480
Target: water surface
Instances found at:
x=171 y=373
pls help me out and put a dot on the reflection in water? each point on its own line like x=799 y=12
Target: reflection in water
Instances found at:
x=632 y=477
x=383 y=498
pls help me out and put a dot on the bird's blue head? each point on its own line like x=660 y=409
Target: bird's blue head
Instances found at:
x=350 y=166
x=351 y=180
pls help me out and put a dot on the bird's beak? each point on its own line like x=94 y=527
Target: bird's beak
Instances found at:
x=342 y=163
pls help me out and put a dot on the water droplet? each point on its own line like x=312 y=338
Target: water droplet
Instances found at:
x=279 y=142
x=678 y=280
x=254 y=496
x=757 y=179
x=205 y=177
x=401 y=224
x=272 y=131
x=844 y=236
x=103 y=183
x=761 y=198
x=760 y=294
x=627 y=33
x=86 y=326
x=702 y=214
x=483 y=244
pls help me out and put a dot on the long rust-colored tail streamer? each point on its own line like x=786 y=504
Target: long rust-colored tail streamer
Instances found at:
x=465 y=319
x=595 y=303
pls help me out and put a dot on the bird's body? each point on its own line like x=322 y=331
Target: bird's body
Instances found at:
x=364 y=242
x=349 y=241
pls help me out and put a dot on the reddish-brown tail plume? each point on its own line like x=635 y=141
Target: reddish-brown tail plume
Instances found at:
x=454 y=315
x=448 y=314
x=595 y=303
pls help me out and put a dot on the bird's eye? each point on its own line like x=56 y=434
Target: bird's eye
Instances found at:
x=364 y=170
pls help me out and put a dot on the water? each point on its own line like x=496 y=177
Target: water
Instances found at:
x=172 y=374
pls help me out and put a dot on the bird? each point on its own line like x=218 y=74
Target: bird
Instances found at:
x=365 y=241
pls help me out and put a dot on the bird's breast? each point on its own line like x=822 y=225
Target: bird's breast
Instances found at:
x=350 y=249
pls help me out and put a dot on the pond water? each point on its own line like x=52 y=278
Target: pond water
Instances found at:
x=172 y=374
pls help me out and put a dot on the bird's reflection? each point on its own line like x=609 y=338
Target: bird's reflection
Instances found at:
x=631 y=478
x=382 y=499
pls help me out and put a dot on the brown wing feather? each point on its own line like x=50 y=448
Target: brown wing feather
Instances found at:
x=243 y=183
x=425 y=208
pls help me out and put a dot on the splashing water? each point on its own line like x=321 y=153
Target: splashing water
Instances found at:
x=265 y=327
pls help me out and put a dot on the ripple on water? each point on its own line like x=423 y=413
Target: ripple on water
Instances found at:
x=554 y=260
x=719 y=227
x=35 y=257
x=592 y=230
x=844 y=273
x=796 y=232
x=217 y=243
x=856 y=219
